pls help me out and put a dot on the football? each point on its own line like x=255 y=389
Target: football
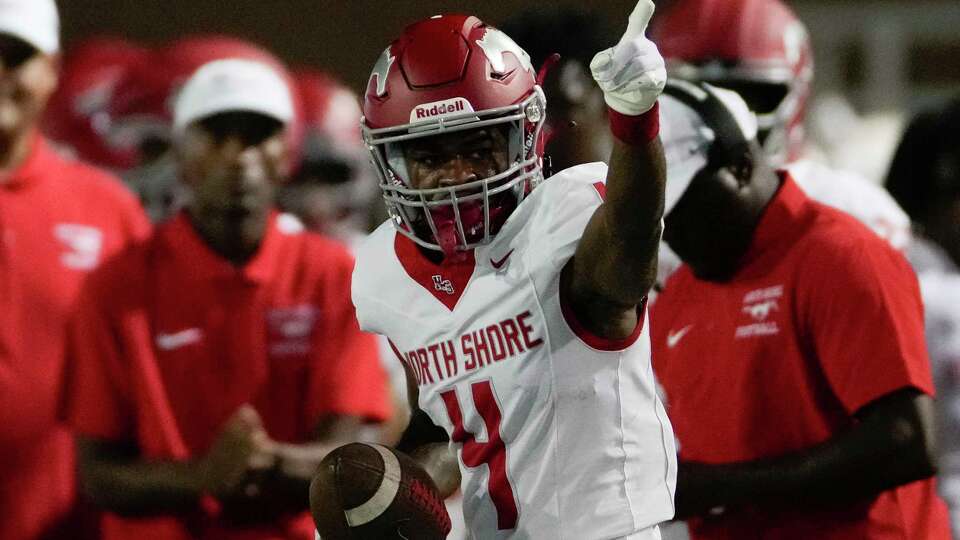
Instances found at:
x=371 y=492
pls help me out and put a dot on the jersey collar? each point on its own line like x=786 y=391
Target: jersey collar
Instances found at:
x=780 y=222
x=445 y=281
x=195 y=258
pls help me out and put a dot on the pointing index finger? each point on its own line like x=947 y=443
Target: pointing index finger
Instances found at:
x=639 y=19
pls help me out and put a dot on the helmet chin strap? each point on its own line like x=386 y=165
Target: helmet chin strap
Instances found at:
x=471 y=217
x=448 y=236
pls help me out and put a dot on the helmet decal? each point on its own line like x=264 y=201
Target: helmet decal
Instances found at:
x=794 y=39
x=381 y=69
x=495 y=43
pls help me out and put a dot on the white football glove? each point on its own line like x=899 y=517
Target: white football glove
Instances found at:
x=631 y=73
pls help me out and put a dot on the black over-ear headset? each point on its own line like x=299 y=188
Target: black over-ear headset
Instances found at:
x=729 y=142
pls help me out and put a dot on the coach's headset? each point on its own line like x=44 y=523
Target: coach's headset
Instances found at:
x=729 y=141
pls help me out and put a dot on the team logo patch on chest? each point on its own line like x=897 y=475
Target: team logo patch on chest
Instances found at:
x=759 y=308
x=443 y=285
x=290 y=330
x=83 y=245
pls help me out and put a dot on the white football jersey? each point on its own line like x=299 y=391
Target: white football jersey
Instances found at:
x=855 y=195
x=560 y=434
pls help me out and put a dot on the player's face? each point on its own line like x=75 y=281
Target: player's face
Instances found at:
x=231 y=163
x=27 y=79
x=457 y=158
x=711 y=227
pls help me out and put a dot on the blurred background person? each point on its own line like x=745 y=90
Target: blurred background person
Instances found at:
x=58 y=220
x=113 y=107
x=333 y=189
x=762 y=51
x=924 y=178
x=790 y=347
x=141 y=116
x=216 y=363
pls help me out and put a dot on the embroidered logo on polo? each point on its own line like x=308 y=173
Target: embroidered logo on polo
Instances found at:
x=290 y=329
x=83 y=244
x=443 y=285
x=673 y=338
x=759 y=305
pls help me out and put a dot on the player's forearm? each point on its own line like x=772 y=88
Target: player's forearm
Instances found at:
x=632 y=215
x=891 y=446
x=129 y=486
x=631 y=74
x=636 y=180
x=441 y=463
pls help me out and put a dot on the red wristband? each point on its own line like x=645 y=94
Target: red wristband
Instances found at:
x=636 y=130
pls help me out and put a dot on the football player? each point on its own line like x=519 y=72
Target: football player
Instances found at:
x=761 y=50
x=516 y=303
x=333 y=187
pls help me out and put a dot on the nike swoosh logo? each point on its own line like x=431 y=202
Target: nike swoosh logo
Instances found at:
x=674 y=337
x=499 y=264
x=169 y=342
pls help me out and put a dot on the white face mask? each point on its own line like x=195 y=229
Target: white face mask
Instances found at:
x=460 y=218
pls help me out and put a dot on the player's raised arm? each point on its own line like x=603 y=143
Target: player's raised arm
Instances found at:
x=615 y=263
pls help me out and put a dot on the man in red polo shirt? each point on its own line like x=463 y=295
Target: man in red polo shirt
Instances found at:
x=58 y=220
x=217 y=362
x=790 y=348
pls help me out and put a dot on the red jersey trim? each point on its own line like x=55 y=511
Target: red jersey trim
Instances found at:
x=598 y=342
x=445 y=281
x=396 y=352
x=601 y=189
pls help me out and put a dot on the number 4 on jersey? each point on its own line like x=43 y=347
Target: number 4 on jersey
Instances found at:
x=493 y=453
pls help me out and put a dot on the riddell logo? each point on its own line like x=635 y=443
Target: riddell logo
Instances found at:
x=440 y=108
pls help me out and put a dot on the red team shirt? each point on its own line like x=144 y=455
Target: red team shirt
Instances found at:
x=822 y=319
x=58 y=220
x=172 y=339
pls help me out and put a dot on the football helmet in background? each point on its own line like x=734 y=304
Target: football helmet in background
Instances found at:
x=757 y=48
x=78 y=116
x=333 y=188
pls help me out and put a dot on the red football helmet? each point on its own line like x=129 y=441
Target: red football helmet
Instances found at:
x=758 y=48
x=78 y=114
x=445 y=74
x=334 y=186
x=331 y=115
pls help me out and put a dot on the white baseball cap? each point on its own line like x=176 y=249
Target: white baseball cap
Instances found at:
x=34 y=21
x=687 y=139
x=233 y=85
